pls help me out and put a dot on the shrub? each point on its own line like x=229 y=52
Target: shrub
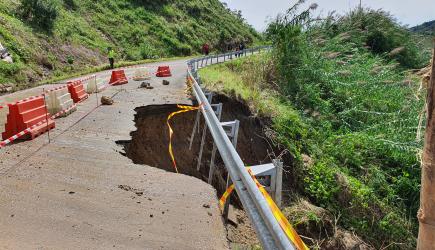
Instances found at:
x=70 y=4
x=147 y=51
x=379 y=31
x=42 y=13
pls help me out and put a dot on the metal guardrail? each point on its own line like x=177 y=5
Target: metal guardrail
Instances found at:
x=266 y=226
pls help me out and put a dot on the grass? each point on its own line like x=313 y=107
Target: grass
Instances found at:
x=138 y=30
x=361 y=136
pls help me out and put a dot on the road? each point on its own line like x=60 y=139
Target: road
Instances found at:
x=80 y=192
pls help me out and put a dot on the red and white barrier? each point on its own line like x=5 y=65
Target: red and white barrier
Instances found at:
x=28 y=130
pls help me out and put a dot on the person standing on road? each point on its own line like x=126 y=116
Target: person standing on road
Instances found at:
x=230 y=50
x=241 y=49
x=206 y=49
x=111 y=55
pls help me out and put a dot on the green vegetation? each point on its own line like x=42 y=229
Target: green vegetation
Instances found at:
x=51 y=38
x=346 y=100
x=427 y=28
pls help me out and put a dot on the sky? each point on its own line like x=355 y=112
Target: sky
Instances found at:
x=408 y=12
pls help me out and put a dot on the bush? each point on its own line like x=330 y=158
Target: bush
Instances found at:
x=42 y=13
x=147 y=51
x=361 y=113
x=379 y=31
x=70 y=4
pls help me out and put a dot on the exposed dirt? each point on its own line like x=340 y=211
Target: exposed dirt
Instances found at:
x=149 y=146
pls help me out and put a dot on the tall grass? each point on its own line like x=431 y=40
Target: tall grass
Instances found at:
x=354 y=111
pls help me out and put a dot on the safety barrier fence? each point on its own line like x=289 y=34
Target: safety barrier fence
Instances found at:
x=273 y=231
x=62 y=100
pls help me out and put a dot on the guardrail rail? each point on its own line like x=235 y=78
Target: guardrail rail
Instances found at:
x=268 y=229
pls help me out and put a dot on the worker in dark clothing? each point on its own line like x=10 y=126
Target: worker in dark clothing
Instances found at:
x=206 y=49
x=230 y=49
x=111 y=55
x=241 y=48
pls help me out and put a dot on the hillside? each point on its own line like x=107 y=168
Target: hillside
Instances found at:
x=51 y=38
x=427 y=28
x=344 y=108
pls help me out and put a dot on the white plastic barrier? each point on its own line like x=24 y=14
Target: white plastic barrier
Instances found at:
x=60 y=100
x=92 y=85
x=141 y=74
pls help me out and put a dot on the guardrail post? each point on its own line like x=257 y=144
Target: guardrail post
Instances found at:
x=218 y=113
x=273 y=173
x=217 y=108
x=277 y=183
x=233 y=135
x=196 y=125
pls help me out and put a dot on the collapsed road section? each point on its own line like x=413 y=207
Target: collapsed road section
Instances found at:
x=78 y=192
x=149 y=146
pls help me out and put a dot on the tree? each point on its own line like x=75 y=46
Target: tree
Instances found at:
x=426 y=214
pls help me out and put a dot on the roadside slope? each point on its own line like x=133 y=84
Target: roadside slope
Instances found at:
x=81 y=32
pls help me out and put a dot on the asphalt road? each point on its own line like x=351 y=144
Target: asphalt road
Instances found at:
x=79 y=192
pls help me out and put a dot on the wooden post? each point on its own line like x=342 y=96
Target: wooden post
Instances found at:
x=426 y=213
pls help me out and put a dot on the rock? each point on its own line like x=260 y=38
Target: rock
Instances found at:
x=145 y=85
x=6 y=87
x=165 y=82
x=105 y=100
x=308 y=161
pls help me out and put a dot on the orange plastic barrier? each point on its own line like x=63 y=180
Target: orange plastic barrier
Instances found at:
x=77 y=91
x=163 y=71
x=28 y=114
x=118 y=78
